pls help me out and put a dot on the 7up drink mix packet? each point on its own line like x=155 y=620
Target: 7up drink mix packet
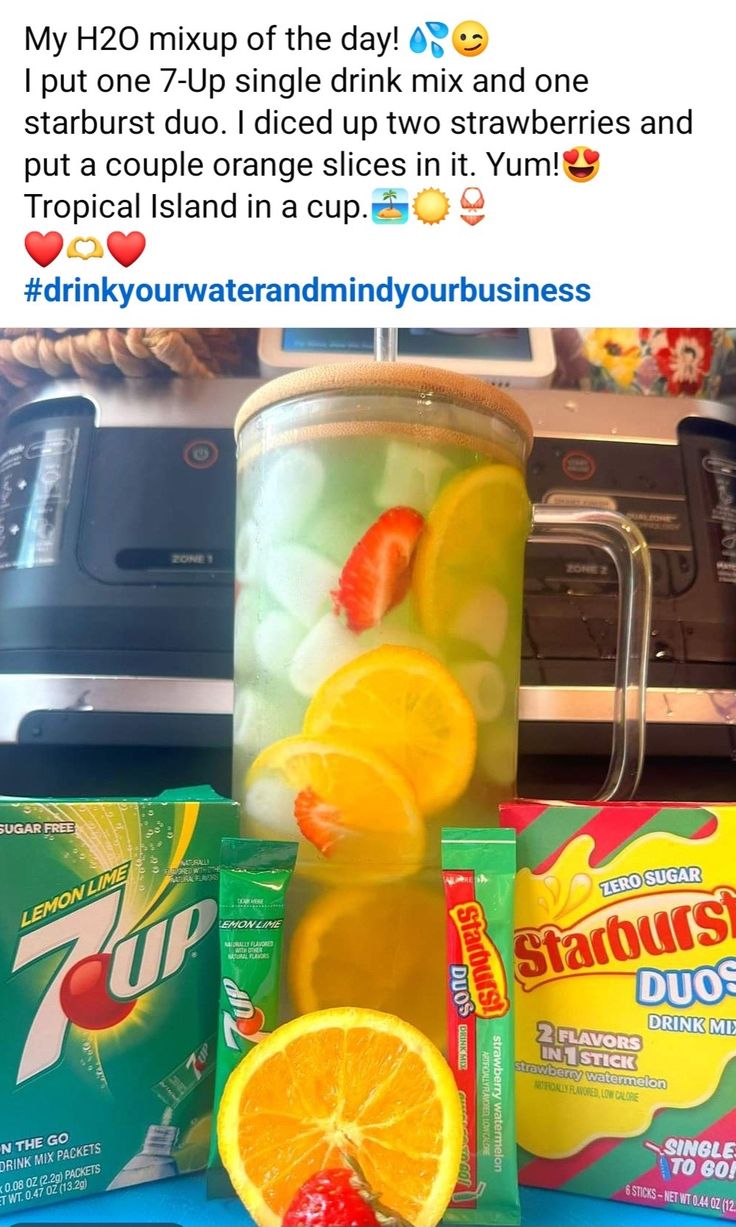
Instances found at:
x=108 y=966
x=625 y=967
x=254 y=875
x=478 y=868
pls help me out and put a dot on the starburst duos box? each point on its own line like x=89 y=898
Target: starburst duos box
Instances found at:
x=625 y=968
x=108 y=967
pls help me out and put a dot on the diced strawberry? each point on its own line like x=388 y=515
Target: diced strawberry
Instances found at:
x=318 y=821
x=339 y=1197
x=377 y=574
x=333 y=1198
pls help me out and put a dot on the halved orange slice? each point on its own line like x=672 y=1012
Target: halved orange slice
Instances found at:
x=404 y=704
x=337 y=1085
x=378 y=946
x=475 y=530
x=348 y=807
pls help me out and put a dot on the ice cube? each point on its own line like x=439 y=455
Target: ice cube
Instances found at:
x=483 y=684
x=497 y=749
x=269 y=808
x=246 y=620
x=398 y=637
x=291 y=490
x=411 y=476
x=330 y=645
x=246 y=554
x=325 y=649
x=275 y=640
x=338 y=528
x=259 y=719
x=301 y=581
x=483 y=621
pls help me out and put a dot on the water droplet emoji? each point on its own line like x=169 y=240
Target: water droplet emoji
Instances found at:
x=438 y=28
x=437 y=51
x=418 y=42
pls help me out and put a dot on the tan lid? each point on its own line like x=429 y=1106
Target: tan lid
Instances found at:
x=422 y=382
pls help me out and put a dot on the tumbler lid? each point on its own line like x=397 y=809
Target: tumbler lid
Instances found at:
x=425 y=383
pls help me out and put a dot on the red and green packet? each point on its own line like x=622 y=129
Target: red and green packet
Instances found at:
x=625 y=969
x=478 y=868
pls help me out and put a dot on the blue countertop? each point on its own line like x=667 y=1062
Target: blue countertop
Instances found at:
x=182 y=1201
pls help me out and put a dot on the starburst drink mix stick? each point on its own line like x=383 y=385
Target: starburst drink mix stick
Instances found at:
x=478 y=871
x=108 y=962
x=625 y=967
x=254 y=875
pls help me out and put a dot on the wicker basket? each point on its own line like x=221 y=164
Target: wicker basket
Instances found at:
x=132 y=353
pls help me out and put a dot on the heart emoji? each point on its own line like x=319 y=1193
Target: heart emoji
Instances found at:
x=43 y=248
x=126 y=248
x=571 y=156
x=591 y=156
x=85 y=249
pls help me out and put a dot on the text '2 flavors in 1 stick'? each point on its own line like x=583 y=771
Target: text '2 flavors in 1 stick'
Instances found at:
x=625 y=967
x=478 y=869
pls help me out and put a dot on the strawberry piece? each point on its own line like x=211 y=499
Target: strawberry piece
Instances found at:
x=333 y=1198
x=377 y=574
x=318 y=821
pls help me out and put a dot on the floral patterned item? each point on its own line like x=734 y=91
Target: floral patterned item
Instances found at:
x=655 y=361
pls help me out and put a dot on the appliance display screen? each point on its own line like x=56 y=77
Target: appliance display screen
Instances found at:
x=501 y=344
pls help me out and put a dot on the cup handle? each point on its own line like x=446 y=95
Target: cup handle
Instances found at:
x=620 y=538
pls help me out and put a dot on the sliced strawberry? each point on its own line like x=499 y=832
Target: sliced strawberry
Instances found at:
x=377 y=574
x=339 y=1197
x=332 y=1198
x=318 y=821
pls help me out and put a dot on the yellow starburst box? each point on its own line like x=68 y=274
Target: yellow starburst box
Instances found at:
x=625 y=968
x=108 y=961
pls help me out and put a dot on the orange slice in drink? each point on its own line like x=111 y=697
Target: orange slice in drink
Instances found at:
x=348 y=806
x=337 y=1085
x=375 y=946
x=405 y=705
x=477 y=526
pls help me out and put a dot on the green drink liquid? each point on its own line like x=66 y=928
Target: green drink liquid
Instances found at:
x=377 y=650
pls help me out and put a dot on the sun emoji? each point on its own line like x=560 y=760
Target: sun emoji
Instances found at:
x=431 y=206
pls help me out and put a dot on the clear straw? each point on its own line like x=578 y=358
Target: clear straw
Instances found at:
x=385 y=344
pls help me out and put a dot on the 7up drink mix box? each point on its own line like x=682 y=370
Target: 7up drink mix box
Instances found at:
x=625 y=970
x=108 y=967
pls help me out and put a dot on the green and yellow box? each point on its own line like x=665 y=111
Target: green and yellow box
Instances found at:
x=108 y=968
x=625 y=969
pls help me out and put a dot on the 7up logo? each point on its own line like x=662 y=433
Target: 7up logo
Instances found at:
x=95 y=988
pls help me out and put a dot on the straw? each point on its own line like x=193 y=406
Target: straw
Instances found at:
x=385 y=344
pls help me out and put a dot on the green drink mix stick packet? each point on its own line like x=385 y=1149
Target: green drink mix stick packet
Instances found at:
x=254 y=875
x=478 y=870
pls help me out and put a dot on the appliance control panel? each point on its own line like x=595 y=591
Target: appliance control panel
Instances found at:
x=683 y=498
x=642 y=481
x=159 y=507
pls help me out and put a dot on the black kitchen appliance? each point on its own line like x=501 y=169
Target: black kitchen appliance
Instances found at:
x=116 y=587
x=670 y=466
x=116 y=553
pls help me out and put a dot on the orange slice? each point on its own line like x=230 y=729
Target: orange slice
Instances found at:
x=373 y=947
x=475 y=530
x=348 y=807
x=345 y=1082
x=403 y=704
